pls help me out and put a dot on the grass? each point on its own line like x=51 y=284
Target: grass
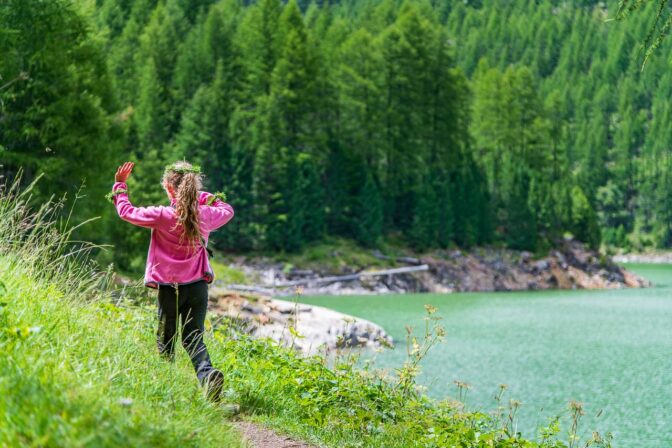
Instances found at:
x=78 y=367
x=228 y=274
x=85 y=373
x=333 y=254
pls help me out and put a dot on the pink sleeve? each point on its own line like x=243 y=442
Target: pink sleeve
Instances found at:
x=203 y=197
x=140 y=216
x=217 y=214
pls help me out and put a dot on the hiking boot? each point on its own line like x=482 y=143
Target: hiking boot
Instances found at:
x=230 y=409
x=213 y=384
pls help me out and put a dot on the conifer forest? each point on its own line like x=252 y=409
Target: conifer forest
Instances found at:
x=434 y=123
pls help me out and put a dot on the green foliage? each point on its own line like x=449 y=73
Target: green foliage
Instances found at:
x=425 y=227
x=585 y=219
x=334 y=254
x=368 y=208
x=56 y=102
x=602 y=121
x=355 y=119
x=228 y=274
x=521 y=225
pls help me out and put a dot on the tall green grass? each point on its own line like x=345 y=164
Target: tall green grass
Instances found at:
x=78 y=367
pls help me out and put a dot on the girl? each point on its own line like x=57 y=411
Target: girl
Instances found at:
x=177 y=262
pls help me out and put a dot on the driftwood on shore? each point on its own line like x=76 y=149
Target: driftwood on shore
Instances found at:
x=269 y=289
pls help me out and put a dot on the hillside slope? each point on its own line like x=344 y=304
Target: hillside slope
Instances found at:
x=78 y=372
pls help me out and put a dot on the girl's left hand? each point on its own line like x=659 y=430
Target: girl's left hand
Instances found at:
x=123 y=172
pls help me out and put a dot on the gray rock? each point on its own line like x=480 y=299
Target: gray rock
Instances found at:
x=542 y=265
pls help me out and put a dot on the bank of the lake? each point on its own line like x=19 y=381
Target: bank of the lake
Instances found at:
x=610 y=349
x=341 y=267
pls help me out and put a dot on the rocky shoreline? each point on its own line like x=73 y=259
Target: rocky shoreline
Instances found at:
x=569 y=266
x=306 y=328
x=256 y=309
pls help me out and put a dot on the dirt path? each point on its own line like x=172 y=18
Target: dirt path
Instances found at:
x=259 y=437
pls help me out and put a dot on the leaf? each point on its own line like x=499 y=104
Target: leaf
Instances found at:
x=295 y=333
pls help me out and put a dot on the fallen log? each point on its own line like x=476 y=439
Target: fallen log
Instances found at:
x=269 y=289
x=248 y=288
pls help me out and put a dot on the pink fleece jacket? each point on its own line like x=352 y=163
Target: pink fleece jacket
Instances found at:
x=170 y=262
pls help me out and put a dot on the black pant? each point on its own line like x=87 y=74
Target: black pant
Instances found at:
x=190 y=303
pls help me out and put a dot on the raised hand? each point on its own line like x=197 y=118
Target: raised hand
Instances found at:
x=123 y=172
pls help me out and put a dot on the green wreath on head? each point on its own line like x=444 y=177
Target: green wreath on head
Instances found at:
x=219 y=195
x=196 y=169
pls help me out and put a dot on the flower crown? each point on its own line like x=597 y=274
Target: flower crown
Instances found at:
x=196 y=169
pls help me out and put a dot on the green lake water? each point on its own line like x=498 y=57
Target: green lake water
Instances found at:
x=611 y=350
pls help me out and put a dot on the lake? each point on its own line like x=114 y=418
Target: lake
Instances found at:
x=610 y=350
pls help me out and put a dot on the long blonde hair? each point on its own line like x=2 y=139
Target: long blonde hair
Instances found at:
x=186 y=180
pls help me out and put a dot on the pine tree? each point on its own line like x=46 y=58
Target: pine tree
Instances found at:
x=312 y=197
x=158 y=56
x=151 y=117
x=584 y=219
x=204 y=136
x=426 y=219
x=241 y=233
x=286 y=137
x=407 y=54
x=368 y=212
x=521 y=224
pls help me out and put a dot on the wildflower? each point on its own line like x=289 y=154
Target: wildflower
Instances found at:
x=576 y=407
x=596 y=437
x=430 y=309
x=416 y=347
